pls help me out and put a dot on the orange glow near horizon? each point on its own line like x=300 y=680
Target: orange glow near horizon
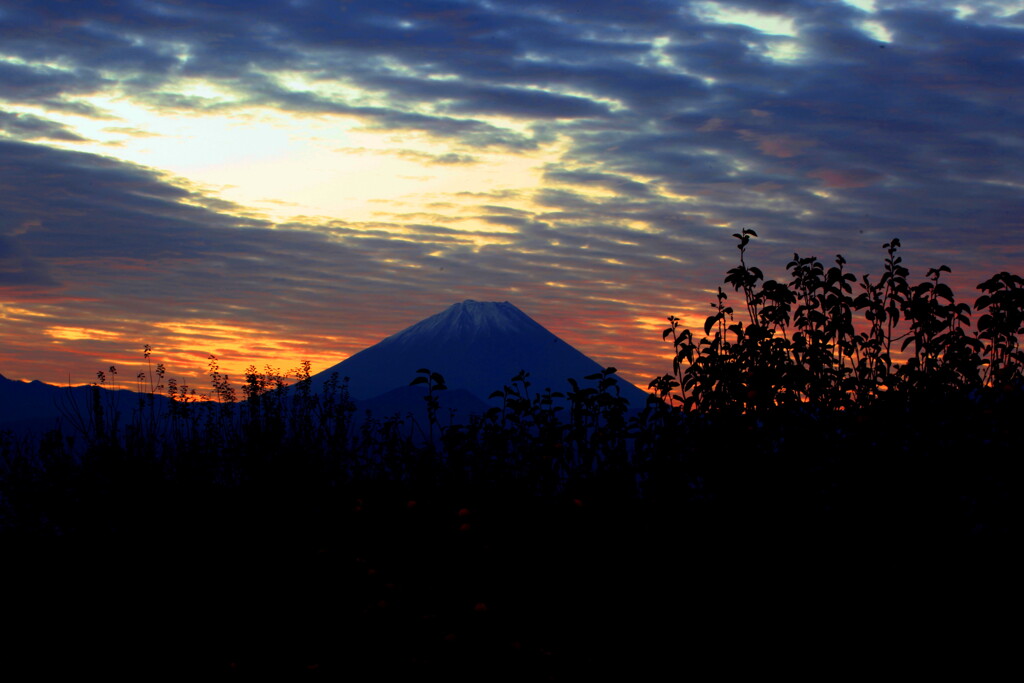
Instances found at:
x=80 y=334
x=627 y=336
x=185 y=347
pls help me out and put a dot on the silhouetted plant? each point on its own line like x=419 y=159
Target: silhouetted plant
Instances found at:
x=801 y=347
x=1001 y=326
x=435 y=383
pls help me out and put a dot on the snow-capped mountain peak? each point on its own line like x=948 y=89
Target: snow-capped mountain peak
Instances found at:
x=469 y=319
x=477 y=346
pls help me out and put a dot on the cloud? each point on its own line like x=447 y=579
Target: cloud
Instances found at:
x=447 y=159
x=782 y=146
x=29 y=127
x=607 y=181
x=130 y=131
x=658 y=128
x=26 y=82
x=840 y=178
x=19 y=273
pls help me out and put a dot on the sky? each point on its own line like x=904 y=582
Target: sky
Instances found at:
x=274 y=181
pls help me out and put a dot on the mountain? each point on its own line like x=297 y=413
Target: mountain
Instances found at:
x=38 y=407
x=478 y=347
x=29 y=405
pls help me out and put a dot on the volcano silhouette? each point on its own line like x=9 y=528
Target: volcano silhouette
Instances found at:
x=478 y=347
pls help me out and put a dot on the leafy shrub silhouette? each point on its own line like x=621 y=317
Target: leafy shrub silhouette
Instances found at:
x=801 y=347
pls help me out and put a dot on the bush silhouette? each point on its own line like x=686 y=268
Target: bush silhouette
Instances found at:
x=801 y=347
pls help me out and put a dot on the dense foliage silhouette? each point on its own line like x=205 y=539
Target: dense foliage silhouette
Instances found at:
x=800 y=345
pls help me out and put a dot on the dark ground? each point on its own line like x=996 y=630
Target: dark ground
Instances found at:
x=488 y=584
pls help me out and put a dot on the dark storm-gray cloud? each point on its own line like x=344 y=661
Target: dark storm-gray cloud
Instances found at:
x=29 y=127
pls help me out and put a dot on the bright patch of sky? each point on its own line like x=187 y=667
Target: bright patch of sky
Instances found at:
x=79 y=333
x=13 y=59
x=876 y=30
x=1001 y=8
x=866 y=5
x=783 y=47
x=658 y=56
x=8 y=311
x=873 y=28
x=775 y=24
x=294 y=81
x=658 y=46
x=282 y=165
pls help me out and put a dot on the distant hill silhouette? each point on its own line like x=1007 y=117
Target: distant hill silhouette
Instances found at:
x=37 y=407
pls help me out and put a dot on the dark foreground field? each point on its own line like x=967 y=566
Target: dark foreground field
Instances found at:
x=820 y=559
